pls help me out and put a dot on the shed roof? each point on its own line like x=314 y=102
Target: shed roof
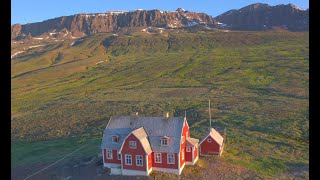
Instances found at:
x=214 y=134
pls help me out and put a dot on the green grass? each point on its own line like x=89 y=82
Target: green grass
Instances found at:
x=257 y=82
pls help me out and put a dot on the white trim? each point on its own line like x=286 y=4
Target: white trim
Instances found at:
x=183 y=154
x=138 y=140
x=137 y=160
x=120 y=150
x=155 y=157
x=164 y=139
x=180 y=170
x=173 y=158
x=118 y=155
x=117 y=137
x=205 y=138
x=185 y=118
x=211 y=141
x=147 y=165
x=196 y=159
x=125 y=159
x=192 y=152
x=179 y=161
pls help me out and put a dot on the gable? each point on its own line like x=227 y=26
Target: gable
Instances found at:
x=140 y=137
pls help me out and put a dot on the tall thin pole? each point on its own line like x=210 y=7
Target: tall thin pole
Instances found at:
x=210 y=114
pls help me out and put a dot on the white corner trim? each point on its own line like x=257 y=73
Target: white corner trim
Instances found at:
x=180 y=170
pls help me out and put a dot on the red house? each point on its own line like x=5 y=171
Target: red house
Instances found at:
x=212 y=144
x=138 y=145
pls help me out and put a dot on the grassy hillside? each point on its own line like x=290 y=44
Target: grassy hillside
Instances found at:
x=257 y=82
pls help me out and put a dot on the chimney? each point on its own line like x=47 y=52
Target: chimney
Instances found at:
x=167 y=115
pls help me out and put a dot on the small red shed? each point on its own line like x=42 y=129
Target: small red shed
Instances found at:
x=212 y=144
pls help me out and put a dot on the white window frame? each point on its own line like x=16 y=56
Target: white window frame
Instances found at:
x=155 y=157
x=137 y=160
x=209 y=140
x=182 y=154
x=188 y=149
x=109 y=154
x=131 y=144
x=117 y=137
x=118 y=156
x=128 y=156
x=173 y=158
x=164 y=140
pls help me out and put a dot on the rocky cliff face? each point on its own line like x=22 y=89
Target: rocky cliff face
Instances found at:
x=86 y=24
x=263 y=17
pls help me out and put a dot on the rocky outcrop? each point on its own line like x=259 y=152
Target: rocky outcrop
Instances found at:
x=263 y=17
x=86 y=24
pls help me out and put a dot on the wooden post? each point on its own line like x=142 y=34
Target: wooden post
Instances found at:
x=209 y=116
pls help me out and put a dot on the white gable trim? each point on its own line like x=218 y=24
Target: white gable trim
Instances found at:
x=205 y=138
x=138 y=140
x=184 y=119
x=212 y=138
x=124 y=142
x=186 y=123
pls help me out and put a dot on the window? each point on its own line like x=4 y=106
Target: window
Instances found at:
x=164 y=142
x=115 y=139
x=128 y=159
x=157 y=157
x=209 y=140
x=182 y=154
x=188 y=149
x=182 y=139
x=170 y=158
x=119 y=156
x=139 y=160
x=109 y=154
x=132 y=144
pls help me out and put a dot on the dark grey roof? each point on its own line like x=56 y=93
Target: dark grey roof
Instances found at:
x=155 y=127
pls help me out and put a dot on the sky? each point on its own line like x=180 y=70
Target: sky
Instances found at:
x=28 y=11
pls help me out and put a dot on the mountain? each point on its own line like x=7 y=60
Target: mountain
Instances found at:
x=253 y=17
x=86 y=24
x=264 y=17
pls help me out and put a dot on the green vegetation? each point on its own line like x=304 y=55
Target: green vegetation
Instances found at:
x=258 y=83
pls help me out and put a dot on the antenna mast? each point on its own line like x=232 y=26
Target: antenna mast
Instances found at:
x=210 y=115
